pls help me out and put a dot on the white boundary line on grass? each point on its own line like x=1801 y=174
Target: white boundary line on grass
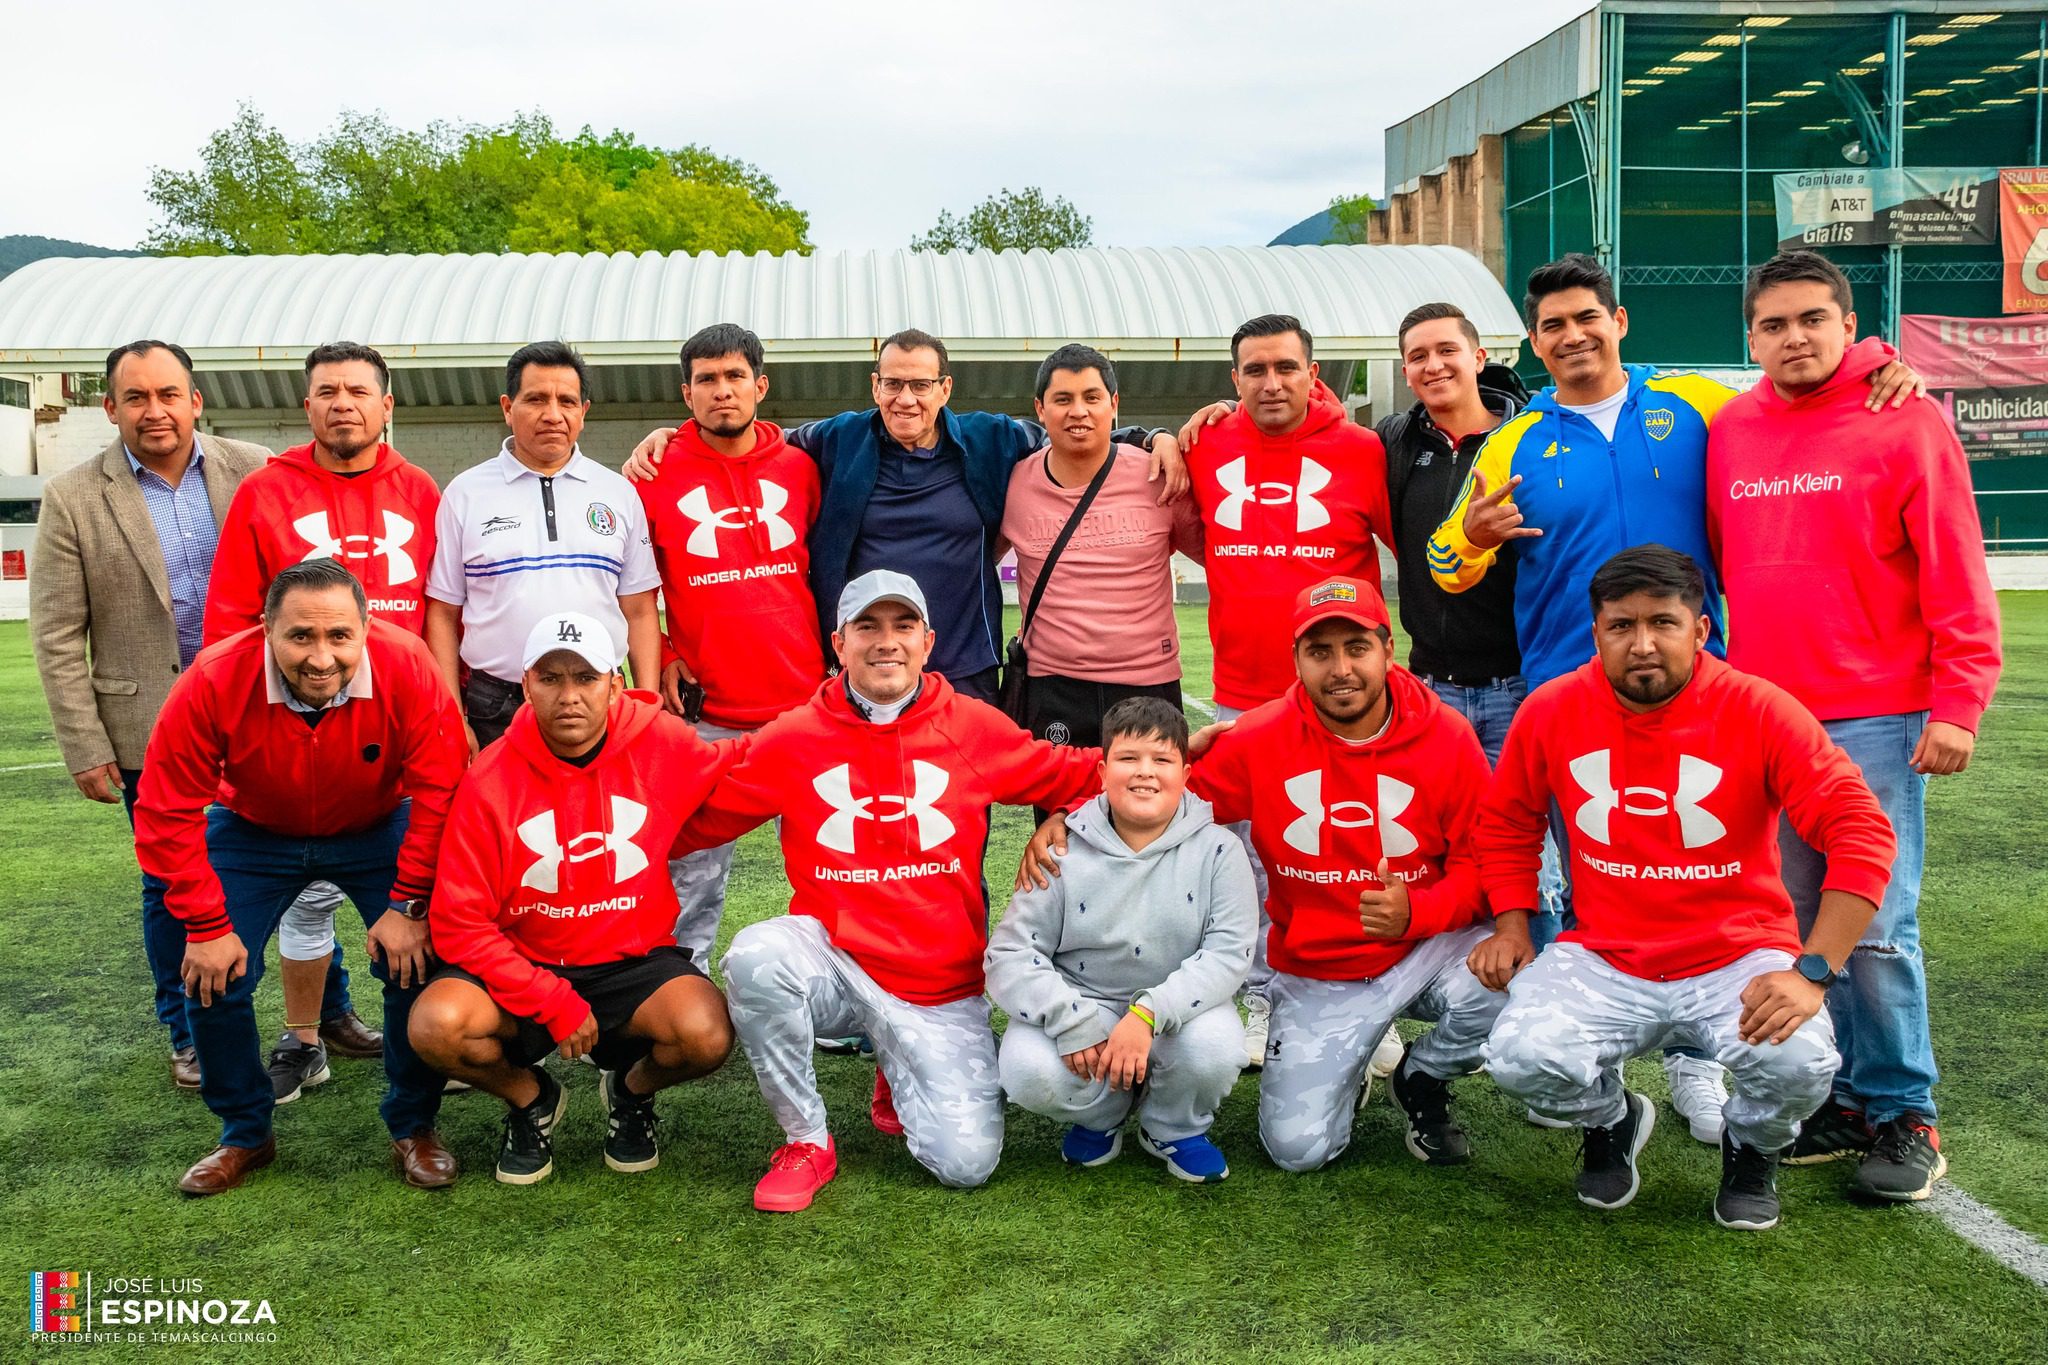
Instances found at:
x=1984 y=1229
x=1200 y=708
x=30 y=767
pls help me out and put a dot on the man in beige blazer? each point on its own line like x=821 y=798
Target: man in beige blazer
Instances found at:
x=117 y=594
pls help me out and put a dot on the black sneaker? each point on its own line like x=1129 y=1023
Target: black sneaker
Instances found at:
x=527 y=1154
x=1749 y=1187
x=629 y=1139
x=294 y=1066
x=1831 y=1132
x=1609 y=1179
x=1432 y=1135
x=1904 y=1162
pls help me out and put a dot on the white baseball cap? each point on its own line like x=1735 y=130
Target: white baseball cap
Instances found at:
x=881 y=585
x=584 y=636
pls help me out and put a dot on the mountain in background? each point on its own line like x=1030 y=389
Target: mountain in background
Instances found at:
x=19 y=250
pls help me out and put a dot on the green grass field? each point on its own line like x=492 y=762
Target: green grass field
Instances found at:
x=1376 y=1258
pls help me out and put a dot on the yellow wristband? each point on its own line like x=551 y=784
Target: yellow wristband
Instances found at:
x=1146 y=1015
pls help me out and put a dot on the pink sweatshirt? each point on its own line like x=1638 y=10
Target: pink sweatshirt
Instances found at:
x=1851 y=550
x=1107 y=615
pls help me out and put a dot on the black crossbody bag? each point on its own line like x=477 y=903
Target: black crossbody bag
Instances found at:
x=1016 y=677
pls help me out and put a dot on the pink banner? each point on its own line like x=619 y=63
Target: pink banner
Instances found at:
x=1989 y=374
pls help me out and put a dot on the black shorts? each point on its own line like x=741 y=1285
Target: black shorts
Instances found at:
x=1062 y=710
x=614 y=990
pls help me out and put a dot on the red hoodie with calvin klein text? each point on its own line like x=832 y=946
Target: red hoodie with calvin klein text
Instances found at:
x=548 y=861
x=1851 y=551
x=732 y=537
x=379 y=524
x=1672 y=817
x=1325 y=810
x=883 y=824
x=1279 y=513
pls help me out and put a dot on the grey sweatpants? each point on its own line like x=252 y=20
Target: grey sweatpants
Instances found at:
x=1258 y=981
x=1323 y=1035
x=699 y=879
x=1572 y=1020
x=1187 y=1076
x=786 y=985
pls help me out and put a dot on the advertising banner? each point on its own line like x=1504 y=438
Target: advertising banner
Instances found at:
x=2023 y=231
x=1989 y=374
x=1872 y=206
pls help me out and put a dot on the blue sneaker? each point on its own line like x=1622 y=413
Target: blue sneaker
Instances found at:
x=1194 y=1159
x=1086 y=1147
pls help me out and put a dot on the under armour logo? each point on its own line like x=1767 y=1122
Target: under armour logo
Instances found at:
x=1309 y=512
x=398 y=566
x=1696 y=779
x=628 y=862
x=1305 y=831
x=836 y=786
x=703 y=541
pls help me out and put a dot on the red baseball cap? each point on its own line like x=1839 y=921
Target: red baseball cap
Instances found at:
x=1349 y=598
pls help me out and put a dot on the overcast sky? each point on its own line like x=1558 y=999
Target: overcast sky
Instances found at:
x=1170 y=124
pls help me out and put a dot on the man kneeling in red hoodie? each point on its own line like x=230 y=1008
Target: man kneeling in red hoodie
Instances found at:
x=883 y=782
x=554 y=913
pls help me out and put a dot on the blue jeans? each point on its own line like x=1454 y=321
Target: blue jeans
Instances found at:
x=262 y=872
x=1491 y=710
x=163 y=946
x=1879 y=1002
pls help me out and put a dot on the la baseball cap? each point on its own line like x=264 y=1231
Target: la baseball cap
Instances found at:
x=880 y=585
x=1349 y=598
x=584 y=636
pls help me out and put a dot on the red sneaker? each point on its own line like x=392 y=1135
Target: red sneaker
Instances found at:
x=882 y=1109
x=796 y=1173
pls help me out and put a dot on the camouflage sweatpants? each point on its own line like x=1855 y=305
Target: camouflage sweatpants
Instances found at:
x=699 y=880
x=1323 y=1034
x=1572 y=1020
x=1190 y=1070
x=786 y=985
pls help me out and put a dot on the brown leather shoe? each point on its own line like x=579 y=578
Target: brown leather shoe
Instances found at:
x=346 y=1035
x=424 y=1162
x=185 y=1068
x=224 y=1168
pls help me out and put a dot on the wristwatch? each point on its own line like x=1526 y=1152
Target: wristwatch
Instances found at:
x=416 y=908
x=1815 y=968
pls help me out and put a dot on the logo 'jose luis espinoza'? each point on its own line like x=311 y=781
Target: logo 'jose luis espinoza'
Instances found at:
x=67 y=1303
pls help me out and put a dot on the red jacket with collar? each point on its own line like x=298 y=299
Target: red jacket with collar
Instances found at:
x=1851 y=551
x=545 y=861
x=1672 y=817
x=226 y=734
x=883 y=825
x=732 y=538
x=1324 y=812
x=378 y=524
x=1278 y=513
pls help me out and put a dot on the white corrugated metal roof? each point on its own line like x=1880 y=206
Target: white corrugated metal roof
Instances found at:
x=265 y=312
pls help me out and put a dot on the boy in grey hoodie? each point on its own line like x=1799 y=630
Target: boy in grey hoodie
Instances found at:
x=1119 y=977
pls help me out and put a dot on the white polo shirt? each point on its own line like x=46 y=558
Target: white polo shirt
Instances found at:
x=513 y=546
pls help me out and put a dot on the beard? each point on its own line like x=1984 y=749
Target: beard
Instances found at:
x=727 y=427
x=348 y=444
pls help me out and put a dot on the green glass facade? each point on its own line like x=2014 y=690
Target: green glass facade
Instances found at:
x=1666 y=171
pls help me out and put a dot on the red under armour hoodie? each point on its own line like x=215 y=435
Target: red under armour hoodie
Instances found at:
x=1324 y=811
x=546 y=861
x=379 y=524
x=732 y=538
x=1672 y=817
x=884 y=824
x=1851 y=551
x=1278 y=513
x=226 y=734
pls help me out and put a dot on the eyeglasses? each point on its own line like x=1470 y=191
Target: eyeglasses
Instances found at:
x=919 y=387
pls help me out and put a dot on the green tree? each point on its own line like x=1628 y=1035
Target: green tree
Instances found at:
x=1349 y=217
x=1010 y=221
x=367 y=187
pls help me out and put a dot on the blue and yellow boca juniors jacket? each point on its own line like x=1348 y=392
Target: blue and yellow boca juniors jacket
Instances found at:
x=1592 y=498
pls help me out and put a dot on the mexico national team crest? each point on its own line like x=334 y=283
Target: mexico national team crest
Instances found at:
x=602 y=519
x=1659 y=422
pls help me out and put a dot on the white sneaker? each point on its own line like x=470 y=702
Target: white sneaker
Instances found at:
x=1387 y=1055
x=1698 y=1092
x=1258 y=1013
